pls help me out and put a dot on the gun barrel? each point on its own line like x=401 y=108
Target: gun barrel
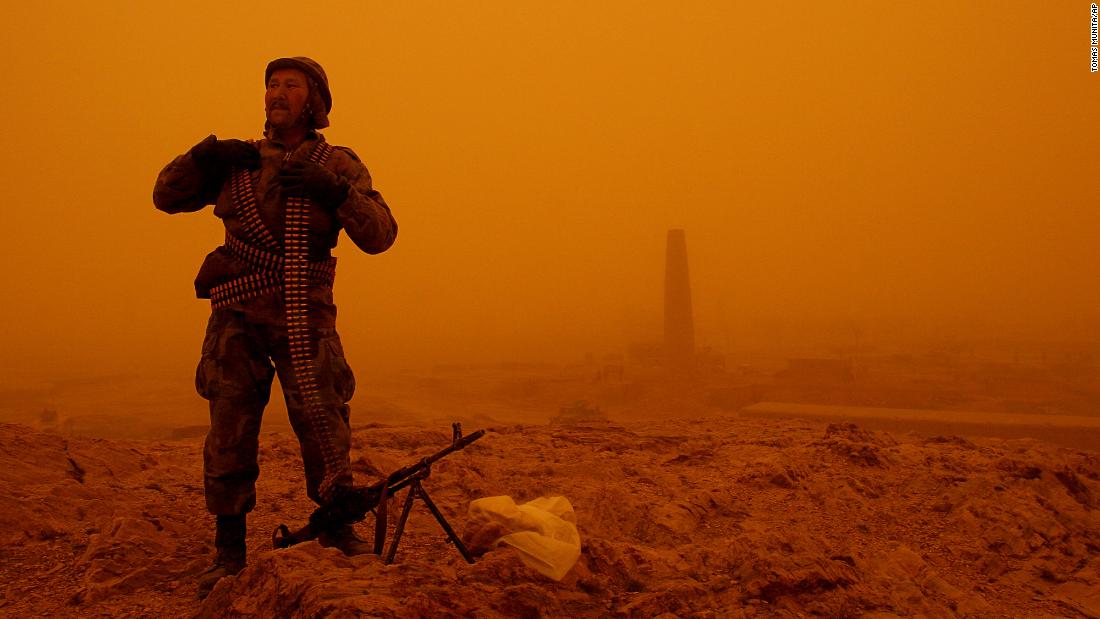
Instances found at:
x=403 y=476
x=458 y=445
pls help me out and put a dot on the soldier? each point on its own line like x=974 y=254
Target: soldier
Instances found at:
x=283 y=200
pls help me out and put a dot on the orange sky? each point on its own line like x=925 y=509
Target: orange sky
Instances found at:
x=921 y=170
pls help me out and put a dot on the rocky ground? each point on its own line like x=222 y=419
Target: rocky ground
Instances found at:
x=707 y=517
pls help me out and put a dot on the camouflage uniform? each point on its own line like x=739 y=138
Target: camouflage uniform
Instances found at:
x=246 y=342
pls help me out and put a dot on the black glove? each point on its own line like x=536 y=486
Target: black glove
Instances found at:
x=217 y=157
x=325 y=187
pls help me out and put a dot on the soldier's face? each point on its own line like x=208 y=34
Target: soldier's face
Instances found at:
x=287 y=91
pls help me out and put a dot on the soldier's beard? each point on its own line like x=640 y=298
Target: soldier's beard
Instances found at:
x=301 y=123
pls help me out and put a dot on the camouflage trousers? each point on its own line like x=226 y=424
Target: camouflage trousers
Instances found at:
x=239 y=361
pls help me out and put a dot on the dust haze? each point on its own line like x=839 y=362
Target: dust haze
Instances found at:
x=882 y=179
x=872 y=180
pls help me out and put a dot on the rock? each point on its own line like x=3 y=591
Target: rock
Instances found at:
x=792 y=565
x=127 y=555
x=856 y=444
x=1082 y=593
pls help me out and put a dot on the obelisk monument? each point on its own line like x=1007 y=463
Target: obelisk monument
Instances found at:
x=679 y=326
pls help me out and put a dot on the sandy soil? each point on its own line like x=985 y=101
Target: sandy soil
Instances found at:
x=709 y=517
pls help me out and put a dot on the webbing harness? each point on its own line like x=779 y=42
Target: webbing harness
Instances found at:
x=274 y=268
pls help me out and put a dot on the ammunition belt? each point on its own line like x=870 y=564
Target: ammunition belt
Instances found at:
x=296 y=294
x=287 y=269
x=259 y=283
x=244 y=203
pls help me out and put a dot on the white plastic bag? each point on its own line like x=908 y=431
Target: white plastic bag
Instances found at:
x=543 y=531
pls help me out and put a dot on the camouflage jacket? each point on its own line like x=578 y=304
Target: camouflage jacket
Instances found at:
x=182 y=188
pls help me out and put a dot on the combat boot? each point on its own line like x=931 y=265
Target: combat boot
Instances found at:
x=345 y=540
x=229 y=542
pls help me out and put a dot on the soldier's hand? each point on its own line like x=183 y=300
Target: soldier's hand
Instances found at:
x=239 y=154
x=314 y=180
x=214 y=156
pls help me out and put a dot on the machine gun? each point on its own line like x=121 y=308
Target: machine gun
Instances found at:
x=351 y=504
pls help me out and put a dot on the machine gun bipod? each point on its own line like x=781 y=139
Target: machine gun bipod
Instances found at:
x=351 y=504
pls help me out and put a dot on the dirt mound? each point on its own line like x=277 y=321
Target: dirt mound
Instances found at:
x=715 y=517
x=52 y=486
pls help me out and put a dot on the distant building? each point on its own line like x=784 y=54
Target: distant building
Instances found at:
x=679 y=325
x=818 y=370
